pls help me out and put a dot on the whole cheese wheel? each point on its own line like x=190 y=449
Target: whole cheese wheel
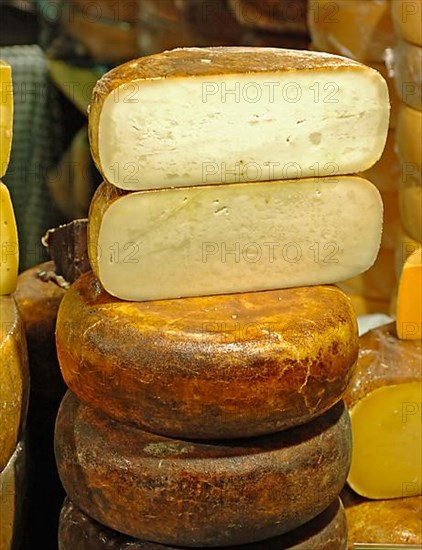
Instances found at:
x=386 y=172
x=38 y=302
x=214 y=367
x=407 y=18
x=14 y=378
x=409 y=136
x=328 y=531
x=200 y=494
x=13 y=499
x=393 y=521
x=360 y=29
x=408 y=73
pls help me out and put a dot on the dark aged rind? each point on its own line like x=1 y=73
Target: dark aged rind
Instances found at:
x=383 y=360
x=214 y=367
x=328 y=531
x=393 y=521
x=190 y=493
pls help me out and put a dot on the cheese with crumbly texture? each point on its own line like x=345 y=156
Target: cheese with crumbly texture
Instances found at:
x=6 y=115
x=206 y=240
x=227 y=115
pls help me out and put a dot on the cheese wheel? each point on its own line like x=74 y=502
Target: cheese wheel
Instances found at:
x=410 y=198
x=219 y=367
x=409 y=136
x=395 y=101
x=383 y=398
x=391 y=221
x=409 y=299
x=360 y=29
x=6 y=115
x=408 y=73
x=14 y=378
x=404 y=247
x=386 y=172
x=12 y=501
x=407 y=18
x=200 y=494
x=328 y=531
x=276 y=112
x=393 y=521
x=173 y=243
x=9 y=244
x=38 y=302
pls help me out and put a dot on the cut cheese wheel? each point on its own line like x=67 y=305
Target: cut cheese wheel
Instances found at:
x=384 y=400
x=409 y=136
x=6 y=115
x=404 y=248
x=14 y=378
x=9 y=244
x=410 y=198
x=328 y=531
x=393 y=521
x=407 y=18
x=386 y=172
x=409 y=300
x=200 y=494
x=219 y=367
x=274 y=114
x=359 y=29
x=198 y=241
x=38 y=302
x=408 y=73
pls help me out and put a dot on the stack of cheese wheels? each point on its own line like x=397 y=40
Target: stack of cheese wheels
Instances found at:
x=208 y=352
x=363 y=30
x=14 y=373
x=407 y=65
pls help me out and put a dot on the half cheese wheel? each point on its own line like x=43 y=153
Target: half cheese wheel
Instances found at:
x=408 y=73
x=328 y=531
x=409 y=136
x=200 y=494
x=407 y=18
x=14 y=378
x=197 y=241
x=217 y=367
x=392 y=521
x=384 y=403
x=13 y=499
x=273 y=114
x=386 y=172
x=359 y=29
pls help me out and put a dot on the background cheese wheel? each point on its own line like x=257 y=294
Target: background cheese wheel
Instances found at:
x=405 y=245
x=410 y=199
x=328 y=531
x=214 y=367
x=13 y=500
x=200 y=494
x=409 y=135
x=407 y=18
x=363 y=305
x=272 y=15
x=408 y=73
x=14 y=378
x=393 y=521
x=386 y=172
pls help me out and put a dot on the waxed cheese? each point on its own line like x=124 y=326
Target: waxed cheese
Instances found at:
x=6 y=115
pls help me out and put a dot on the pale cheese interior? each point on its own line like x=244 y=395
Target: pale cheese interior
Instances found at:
x=239 y=128
x=240 y=237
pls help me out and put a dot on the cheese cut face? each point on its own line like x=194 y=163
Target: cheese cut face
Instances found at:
x=408 y=73
x=188 y=493
x=6 y=115
x=359 y=29
x=14 y=378
x=328 y=531
x=407 y=18
x=409 y=301
x=236 y=115
x=197 y=241
x=9 y=244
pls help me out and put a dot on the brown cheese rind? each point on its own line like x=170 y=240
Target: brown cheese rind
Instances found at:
x=328 y=531
x=212 y=367
x=200 y=494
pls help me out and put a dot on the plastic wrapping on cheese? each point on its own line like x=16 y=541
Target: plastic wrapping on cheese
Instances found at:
x=6 y=115
x=405 y=246
x=9 y=245
x=359 y=29
x=386 y=172
x=409 y=299
x=407 y=19
x=407 y=64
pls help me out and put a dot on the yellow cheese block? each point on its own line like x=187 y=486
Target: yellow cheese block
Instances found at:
x=9 y=245
x=360 y=29
x=409 y=136
x=408 y=73
x=405 y=246
x=407 y=18
x=12 y=499
x=409 y=300
x=14 y=378
x=6 y=115
x=386 y=172
x=410 y=199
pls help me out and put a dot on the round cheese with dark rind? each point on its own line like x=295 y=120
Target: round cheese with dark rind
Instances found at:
x=328 y=531
x=214 y=367
x=208 y=493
